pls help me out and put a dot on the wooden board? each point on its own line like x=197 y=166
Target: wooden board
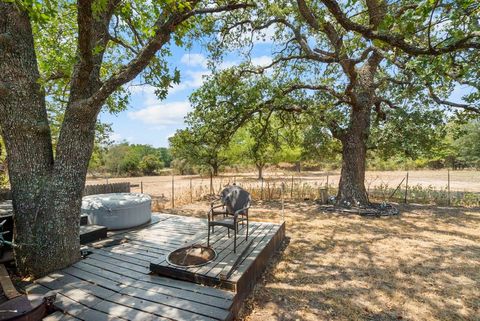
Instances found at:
x=7 y=286
x=221 y=271
x=91 y=233
x=114 y=282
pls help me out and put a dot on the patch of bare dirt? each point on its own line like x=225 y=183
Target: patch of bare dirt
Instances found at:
x=421 y=265
x=461 y=180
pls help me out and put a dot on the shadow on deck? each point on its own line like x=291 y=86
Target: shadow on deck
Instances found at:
x=114 y=281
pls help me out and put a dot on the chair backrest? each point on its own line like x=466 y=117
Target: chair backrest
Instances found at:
x=235 y=198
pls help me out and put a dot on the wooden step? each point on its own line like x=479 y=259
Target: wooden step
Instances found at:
x=92 y=233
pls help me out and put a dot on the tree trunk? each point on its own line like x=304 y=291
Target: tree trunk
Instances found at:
x=351 y=189
x=215 y=169
x=298 y=167
x=260 y=170
x=46 y=192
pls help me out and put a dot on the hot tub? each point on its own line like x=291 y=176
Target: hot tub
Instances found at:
x=117 y=211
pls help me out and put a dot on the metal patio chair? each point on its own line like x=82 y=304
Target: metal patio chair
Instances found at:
x=235 y=202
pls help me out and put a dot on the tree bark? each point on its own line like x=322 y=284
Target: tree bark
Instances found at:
x=215 y=167
x=46 y=224
x=260 y=170
x=46 y=192
x=351 y=188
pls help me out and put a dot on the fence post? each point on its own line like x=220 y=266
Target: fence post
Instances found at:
x=406 y=189
x=300 y=188
x=291 y=190
x=141 y=187
x=261 y=189
x=448 y=187
x=327 y=183
x=283 y=205
x=211 y=182
x=173 y=190
x=191 y=191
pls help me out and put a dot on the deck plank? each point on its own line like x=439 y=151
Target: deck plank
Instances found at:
x=59 y=316
x=114 y=282
x=155 y=308
x=125 y=279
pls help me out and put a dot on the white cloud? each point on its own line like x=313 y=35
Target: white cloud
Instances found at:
x=264 y=36
x=194 y=59
x=189 y=80
x=227 y=64
x=262 y=61
x=194 y=79
x=147 y=90
x=162 y=114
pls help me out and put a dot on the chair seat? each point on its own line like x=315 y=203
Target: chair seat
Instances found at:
x=227 y=222
x=221 y=212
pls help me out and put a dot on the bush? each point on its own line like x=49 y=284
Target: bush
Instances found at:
x=150 y=164
x=182 y=167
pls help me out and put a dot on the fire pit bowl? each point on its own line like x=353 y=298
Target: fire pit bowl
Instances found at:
x=191 y=256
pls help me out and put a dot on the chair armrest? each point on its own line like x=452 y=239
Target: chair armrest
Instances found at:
x=243 y=209
x=237 y=212
x=216 y=206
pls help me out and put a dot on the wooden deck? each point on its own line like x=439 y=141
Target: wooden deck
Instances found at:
x=228 y=269
x=114 y=281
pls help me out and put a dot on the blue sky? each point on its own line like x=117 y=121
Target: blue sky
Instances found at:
x=151 y=121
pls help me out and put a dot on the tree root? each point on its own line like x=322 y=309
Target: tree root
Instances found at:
x=373 y=209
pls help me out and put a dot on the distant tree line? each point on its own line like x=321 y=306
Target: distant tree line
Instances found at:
x=197 y=149
x=451 y=144
x=126 y=159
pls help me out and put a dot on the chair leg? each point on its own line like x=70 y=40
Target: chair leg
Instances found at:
x=208 y=237
x=246 y=238
x=228 y=232
x=235 y=241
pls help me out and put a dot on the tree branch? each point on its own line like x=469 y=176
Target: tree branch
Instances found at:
x=228 y=7
x=440 y=101
x=162 y=36
x=387 y=102
x=308 y=15
x=397 y=40
x=85 y=37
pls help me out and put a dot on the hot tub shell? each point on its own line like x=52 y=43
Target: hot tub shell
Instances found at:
x=118 y=211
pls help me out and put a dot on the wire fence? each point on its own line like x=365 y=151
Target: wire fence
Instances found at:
x=443 y=188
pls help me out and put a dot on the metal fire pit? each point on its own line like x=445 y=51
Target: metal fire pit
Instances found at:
x=191 y=256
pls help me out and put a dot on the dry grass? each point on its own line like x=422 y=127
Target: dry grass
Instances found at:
x=461 y=180
x=426 y=187
x=422 y=265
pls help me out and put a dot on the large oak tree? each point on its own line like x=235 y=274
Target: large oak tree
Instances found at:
x=357 y=74
x=114 y=42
